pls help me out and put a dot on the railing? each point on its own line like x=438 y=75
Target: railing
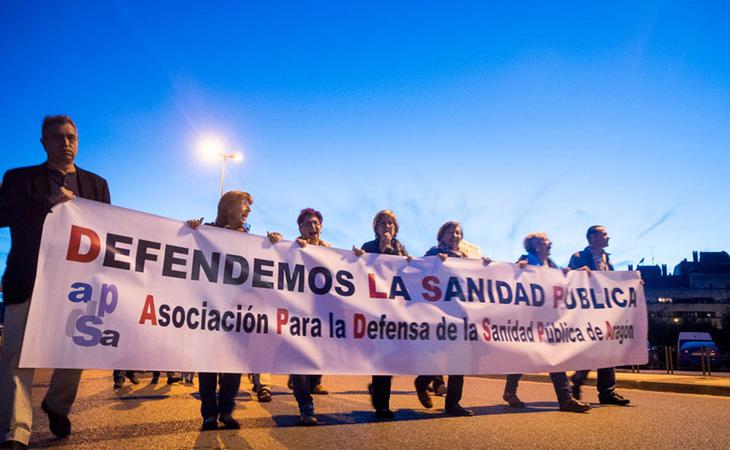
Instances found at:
x=703 y=359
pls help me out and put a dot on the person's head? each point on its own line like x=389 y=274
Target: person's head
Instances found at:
x=60 y=139
x=310 y=223
x=233 y=209
x=597 y=237
x=538 y=244
x=450 y=235
x=384 y=222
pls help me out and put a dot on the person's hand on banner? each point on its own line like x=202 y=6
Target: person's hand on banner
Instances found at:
x=522 y=263
x=358 y=251
x=486 y=260
x=63 y=195
x=194 y=223
x=302 y=242
x=274 y=237
x=443 y=256
x=586 y=269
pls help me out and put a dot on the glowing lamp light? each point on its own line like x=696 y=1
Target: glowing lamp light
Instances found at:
x=211 y=147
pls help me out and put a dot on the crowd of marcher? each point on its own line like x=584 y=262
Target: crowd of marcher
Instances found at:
x=27 y=195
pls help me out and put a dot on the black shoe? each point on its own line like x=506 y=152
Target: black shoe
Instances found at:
x=155 y=379
x=613 y=399
x=307 y=419
x=513 y=400
x=384 y=414
x=458 y=411
x=14 y=445
x=118 y=383
x=209 y=423
x=290 y=383
x=173 y=380
x=319 y=390
x=425 y=398
x=59 y=424
x=131 y=376
x=440 y=390
x=229 y=423
x=575 y=406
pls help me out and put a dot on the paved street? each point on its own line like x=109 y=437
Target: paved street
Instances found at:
x=168 y=417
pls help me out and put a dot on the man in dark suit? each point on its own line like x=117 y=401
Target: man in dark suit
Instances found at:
x=26 y=197
x=594 y=257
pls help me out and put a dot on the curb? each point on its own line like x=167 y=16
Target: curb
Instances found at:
x=682 y=388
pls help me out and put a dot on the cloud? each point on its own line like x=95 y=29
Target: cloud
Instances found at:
x=666 y=216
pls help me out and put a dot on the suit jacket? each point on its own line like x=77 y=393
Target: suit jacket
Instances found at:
x=585 y=258
x=23 y=207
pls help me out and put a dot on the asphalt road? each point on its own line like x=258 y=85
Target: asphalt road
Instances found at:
x=162 y=416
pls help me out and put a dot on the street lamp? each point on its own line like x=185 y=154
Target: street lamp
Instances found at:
x=213 y=148
x=235 y=157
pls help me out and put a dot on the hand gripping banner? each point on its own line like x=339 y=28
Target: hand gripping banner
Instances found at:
x=122 y=289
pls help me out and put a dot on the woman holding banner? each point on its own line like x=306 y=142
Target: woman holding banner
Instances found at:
x=449 y=237
x=385 y=226
x=538 y=254
x=233 y=210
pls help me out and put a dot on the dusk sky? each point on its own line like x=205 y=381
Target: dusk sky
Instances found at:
x=509 y=117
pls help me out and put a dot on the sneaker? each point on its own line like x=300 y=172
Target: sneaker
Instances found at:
x=384 y=414
x=209 y=423
x=440 y=390
x=575 y=406
x=425 y=398
x=58 y=423
x=229 y=423
x=613 y=399
x=319 y=390
x=263 y=395
x=458 y=411
x=513 y=400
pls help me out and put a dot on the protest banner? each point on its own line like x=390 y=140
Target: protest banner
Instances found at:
x=118 y=288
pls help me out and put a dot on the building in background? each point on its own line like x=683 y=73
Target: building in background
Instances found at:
x=697 y=291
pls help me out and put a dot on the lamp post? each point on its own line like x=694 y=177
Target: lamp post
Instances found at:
x=225 y=157
x=212 y=147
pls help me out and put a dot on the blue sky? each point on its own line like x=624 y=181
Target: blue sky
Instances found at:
x=510 y=117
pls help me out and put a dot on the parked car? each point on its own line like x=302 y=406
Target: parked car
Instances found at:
x=690 y=354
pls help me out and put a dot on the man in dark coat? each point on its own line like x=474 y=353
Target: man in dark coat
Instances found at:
x=594 y=257
x=26 y=197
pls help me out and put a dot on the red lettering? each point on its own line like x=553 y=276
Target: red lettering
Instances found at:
x=609 y=330
x=430 y=283
x=359 y=326
x=558 y=295
x=74 y=245
x=487 y=330
x=282 y=318
x=374 y=290
x=540 y=330
x=148 y=311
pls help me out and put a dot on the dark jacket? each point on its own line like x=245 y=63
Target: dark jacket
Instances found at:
x=24 y=204
x=397 y=248
x=585 y=258
x=435 y=250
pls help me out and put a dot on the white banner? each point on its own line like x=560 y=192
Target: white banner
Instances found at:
x=120 y=289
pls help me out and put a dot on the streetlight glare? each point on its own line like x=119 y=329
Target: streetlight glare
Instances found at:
x=211 y=147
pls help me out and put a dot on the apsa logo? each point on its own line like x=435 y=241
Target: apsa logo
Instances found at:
x=90 y=326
